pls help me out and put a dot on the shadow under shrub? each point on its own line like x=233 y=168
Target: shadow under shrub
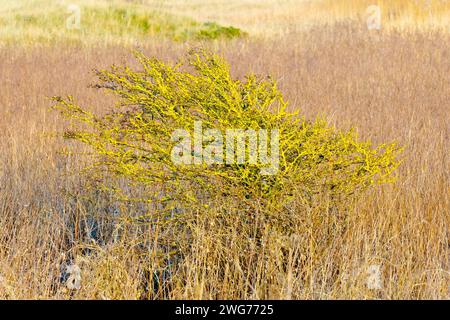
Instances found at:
x=230 y=211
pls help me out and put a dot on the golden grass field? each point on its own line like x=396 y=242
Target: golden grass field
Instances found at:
x=392 y=84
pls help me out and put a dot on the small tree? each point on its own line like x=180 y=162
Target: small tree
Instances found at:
x=134 y=141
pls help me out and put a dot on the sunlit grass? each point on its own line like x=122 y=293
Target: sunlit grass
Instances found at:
x=119 y=21
x=390 y=84
x=272 y=18
x=91 y=22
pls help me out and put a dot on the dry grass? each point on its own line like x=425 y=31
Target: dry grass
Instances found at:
x=390 y=85
x=275 y=18
x=105 y=21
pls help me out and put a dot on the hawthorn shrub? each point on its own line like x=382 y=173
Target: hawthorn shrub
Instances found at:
x=320 y=168
x=134 y=142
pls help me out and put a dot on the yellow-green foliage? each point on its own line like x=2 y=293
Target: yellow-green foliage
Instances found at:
x=133 y=141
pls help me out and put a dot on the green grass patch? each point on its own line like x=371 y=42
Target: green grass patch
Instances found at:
x=110 y=23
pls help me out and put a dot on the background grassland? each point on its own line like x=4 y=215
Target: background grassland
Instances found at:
x=274 y=18
x=119 y=22
x=391 y=84
x=130 y=22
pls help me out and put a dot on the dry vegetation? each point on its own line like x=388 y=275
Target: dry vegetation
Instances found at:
x=391 y=84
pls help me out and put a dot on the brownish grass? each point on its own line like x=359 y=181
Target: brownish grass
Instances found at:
x=391 y=86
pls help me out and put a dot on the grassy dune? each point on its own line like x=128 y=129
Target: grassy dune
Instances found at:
x=132 y=22
x=273 y=18
x=117 y=22
x=391 y=84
